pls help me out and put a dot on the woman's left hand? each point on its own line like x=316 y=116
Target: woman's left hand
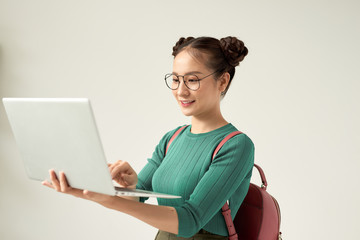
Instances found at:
x=61 y=185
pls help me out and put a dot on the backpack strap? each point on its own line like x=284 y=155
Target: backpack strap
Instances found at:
x=262 y=176
x=174 y=136
x=225 y=210
x=224 y=141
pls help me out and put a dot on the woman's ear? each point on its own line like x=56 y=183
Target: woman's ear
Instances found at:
x=224 y=81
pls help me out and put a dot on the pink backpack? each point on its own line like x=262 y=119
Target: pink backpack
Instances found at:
x=258 y=217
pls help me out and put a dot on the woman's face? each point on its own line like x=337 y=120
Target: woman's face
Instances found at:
x=206 y=100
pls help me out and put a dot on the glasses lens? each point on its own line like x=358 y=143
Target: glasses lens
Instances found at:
x=172 y=81
x=192 y=82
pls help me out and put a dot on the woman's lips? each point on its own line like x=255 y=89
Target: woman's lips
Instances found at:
x=186 y=103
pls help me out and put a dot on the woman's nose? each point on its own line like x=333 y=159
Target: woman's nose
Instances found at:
x=182 y=89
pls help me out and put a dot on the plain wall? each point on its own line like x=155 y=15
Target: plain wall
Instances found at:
x=296 y=95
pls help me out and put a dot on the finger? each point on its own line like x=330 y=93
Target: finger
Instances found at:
x=130 y=180
x=116 y=164
x=127 y=178
x=123 y=182
x=47 y=184
x=111 y=166
x=54 y=180
x=120 y=168
x=64 y=186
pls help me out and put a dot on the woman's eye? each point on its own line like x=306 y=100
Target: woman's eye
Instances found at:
x=176 y=80
x=192 y=80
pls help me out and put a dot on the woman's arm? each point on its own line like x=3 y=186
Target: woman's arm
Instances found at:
x=161 y=217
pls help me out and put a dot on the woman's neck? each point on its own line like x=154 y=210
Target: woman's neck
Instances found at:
x=203 y=125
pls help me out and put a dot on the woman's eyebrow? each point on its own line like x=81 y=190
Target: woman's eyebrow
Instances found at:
x=188 y=73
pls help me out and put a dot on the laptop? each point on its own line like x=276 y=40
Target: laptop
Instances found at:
x=61 y=134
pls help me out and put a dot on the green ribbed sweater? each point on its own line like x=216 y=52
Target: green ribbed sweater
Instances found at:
x=187 y=170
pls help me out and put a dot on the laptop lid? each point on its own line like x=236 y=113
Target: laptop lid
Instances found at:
x=61 y=134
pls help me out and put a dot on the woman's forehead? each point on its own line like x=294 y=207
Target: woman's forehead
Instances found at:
x=185 y=62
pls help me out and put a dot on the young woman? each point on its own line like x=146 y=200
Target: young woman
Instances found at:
x=203 y=69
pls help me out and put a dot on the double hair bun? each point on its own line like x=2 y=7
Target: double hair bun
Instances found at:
x=234 y=50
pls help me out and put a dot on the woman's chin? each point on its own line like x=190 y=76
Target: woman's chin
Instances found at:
x=186 y=112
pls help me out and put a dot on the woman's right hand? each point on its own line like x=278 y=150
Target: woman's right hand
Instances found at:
x=122 y=173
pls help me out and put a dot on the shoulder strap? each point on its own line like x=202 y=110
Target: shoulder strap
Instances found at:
x=174 y=136
x=224 y=141
x=226 y=212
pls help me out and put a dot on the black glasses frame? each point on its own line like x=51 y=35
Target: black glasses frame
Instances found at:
x=183 y=77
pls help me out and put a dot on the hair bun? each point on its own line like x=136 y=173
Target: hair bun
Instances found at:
x=179 y=43
x=234 y=50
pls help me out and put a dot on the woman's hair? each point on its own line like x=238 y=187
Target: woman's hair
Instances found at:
x=220 y=55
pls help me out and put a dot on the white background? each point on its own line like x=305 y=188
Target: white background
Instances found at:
x=296 y=95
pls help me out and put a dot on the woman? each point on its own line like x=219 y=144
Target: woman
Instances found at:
x=203 y=69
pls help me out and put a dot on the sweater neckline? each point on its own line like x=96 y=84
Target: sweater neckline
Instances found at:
x=217 y=131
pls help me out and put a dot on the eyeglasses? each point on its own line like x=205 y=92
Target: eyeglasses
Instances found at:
x=191 y=81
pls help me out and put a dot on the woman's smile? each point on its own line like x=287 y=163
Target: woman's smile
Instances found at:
x=186 y=103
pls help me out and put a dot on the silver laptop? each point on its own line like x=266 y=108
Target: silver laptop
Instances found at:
x=61 y=134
